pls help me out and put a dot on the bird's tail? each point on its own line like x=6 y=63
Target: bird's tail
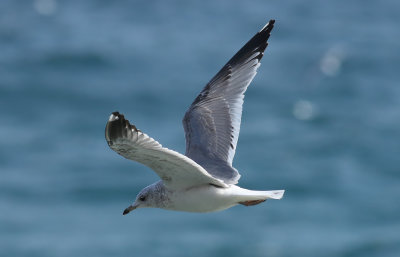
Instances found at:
x=275 y=194
x=256 y=197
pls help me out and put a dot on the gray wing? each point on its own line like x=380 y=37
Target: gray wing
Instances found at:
x=212 y=122
x=176 y=170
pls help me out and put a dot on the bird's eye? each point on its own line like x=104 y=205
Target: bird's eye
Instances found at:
x=142 y=198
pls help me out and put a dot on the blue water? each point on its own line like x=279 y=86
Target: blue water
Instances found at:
x=321 y=120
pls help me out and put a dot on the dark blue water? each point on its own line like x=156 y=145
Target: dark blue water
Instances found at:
x=321 y=120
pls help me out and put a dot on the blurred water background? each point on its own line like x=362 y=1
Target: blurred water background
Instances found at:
x=321 y=120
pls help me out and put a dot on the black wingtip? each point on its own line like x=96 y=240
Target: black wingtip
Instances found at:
x=266 y=30
x=269 y=26
x=258 y=42
x=117 y=127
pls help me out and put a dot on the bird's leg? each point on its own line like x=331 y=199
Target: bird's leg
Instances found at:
x=252 y=202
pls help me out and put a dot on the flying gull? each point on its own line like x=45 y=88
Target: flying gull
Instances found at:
x=202 y=180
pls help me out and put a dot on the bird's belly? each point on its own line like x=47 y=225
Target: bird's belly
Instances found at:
x=206 y=198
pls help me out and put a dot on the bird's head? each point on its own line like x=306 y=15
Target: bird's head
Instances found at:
x=150 y=196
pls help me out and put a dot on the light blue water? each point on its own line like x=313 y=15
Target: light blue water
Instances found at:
x=321 y=120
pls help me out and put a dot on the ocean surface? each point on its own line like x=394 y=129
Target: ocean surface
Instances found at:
x=321 y=120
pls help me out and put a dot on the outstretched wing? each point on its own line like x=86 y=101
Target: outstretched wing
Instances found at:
x=176 y=170
x=212 y=122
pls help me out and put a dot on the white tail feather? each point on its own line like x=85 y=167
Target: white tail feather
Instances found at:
x=249 y=195
x=276 y=194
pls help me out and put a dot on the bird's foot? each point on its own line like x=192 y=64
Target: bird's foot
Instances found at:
x=252 y=202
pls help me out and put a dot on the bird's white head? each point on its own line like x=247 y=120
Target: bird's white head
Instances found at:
x=153 y=196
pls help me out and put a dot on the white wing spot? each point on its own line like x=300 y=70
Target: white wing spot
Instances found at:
x=113 y=117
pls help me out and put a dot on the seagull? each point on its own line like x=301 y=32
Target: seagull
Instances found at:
x=203 y=180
